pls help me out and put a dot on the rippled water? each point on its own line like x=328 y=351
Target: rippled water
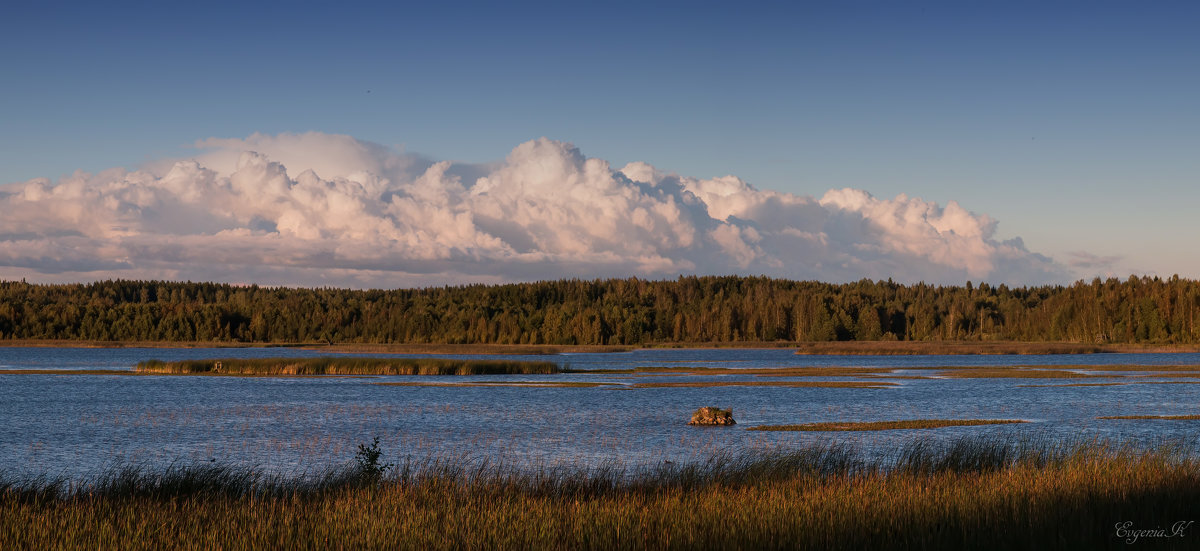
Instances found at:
x=78 y=424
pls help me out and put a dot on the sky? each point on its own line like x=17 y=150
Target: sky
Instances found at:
x=391 y=145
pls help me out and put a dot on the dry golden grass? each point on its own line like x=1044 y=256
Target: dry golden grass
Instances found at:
x=348 y=366
x=964 y=498
x=907 y=424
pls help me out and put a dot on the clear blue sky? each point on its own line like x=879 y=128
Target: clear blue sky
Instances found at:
x=1075 y=124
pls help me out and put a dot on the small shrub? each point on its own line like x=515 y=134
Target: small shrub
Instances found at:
x=368 y=466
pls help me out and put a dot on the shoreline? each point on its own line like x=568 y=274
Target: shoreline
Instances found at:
x=841 y=348
x=953 y=348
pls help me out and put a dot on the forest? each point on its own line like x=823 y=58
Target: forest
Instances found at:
x=632 y=311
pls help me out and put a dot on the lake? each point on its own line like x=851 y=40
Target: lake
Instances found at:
x=75 y=425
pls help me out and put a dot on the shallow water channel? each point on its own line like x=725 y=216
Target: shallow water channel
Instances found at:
x=75 y=425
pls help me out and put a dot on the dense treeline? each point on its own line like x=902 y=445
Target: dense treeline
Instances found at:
x=618 y=311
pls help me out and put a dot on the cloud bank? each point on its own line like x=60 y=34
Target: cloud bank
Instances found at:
x=319 y=209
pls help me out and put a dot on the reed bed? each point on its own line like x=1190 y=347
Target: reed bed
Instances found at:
x=348 y=366
x=905 y=424
x=969 y=494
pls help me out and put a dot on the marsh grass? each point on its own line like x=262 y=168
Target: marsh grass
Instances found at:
x=971 y=493
x=348 y=366
x=886 y=425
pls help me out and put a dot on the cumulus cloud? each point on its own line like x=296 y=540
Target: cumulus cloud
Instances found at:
x=320 y=209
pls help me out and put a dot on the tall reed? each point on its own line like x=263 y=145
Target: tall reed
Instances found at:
x=975 y=493
x=347 y=366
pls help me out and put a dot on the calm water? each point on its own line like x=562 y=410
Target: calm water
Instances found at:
x=78 y=424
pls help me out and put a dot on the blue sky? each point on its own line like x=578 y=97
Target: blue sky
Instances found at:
x=1073 y=124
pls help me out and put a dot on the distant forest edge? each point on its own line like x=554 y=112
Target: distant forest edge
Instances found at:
x=607 y=312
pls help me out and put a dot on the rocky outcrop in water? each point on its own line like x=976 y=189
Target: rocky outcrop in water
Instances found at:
x=712 y=416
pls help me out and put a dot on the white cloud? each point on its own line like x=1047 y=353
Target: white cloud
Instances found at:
x=320 y=209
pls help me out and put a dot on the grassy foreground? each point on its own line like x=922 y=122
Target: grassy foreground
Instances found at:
x=972 y=494
x=347 y=366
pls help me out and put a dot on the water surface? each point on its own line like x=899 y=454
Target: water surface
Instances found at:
x=78 y=424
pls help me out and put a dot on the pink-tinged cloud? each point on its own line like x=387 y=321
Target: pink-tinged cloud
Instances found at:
x=320 y=209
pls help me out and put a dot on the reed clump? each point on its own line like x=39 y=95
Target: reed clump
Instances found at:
x=969 y=494
x=348 y=366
